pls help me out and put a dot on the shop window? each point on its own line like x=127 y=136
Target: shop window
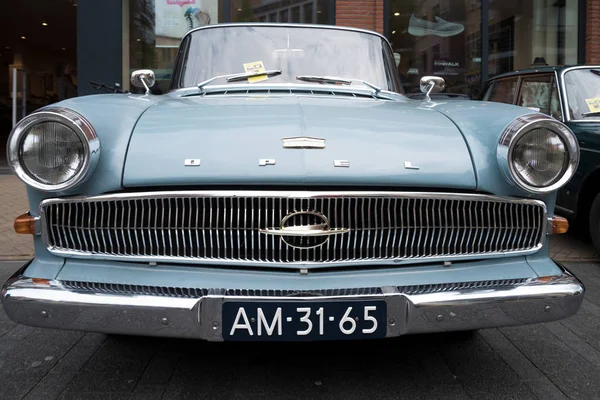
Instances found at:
x=527 y=34
x=437 y=38
x=156 y=27
x=155 y=30
x=305 y=11
x=443 y=38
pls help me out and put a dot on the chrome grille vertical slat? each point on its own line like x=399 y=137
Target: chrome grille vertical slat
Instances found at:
x=479 y=234
x=252 y=231
x=259 y=225
x=53 y=225
x=137 y=227
x=186 y=230
x=521 y=227
x=120 y=227
x=195 y=226
x=462 y=224
x=272 y=223
x=380 y=231
x=128 y=224
x=280 y=207
x=173 y=226
x=71 y=225
x=469 y=225
x=210 y=227
x=162 y=227
x=82 y=226
x=357 y=232
x=494 y=227
x=445 y=225
x=216 y=227
x=98 y=246
x=381 y=227
x=438 y=226
x=246 y=244
x=401 y=249
x=387 y=250
x=237 y=227
x=109 y=227
x=287 y=248
x=426 y=237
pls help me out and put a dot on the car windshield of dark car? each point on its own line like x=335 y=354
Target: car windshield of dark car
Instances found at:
x=583 y=93
x=295 y=51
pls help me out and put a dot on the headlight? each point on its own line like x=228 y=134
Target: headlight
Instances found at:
x=538 y=154
x=54 y=149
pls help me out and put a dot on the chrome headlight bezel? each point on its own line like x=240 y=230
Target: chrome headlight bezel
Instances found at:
x=73 y=120
x=524 y=125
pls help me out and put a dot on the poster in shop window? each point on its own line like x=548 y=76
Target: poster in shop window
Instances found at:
x=174 y=18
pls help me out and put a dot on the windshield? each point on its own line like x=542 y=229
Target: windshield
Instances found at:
x=293 y=50
x=583 y=93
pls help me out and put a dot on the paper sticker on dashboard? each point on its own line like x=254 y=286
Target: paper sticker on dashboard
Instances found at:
x=593 y=104
x=255 y=68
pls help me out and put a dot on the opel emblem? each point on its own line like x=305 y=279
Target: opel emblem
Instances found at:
x=304 y=230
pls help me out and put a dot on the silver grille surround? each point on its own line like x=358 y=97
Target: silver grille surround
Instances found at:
x=497 y=242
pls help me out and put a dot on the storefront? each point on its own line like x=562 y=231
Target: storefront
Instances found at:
x=464 y=41
x=155 y=27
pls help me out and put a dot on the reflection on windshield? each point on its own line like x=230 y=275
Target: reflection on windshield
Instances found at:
x=295 y=51
x=583 y=93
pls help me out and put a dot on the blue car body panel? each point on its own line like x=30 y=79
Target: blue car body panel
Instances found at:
x=453 y=143
x=230 y=134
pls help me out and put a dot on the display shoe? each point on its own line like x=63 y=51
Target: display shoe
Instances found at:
x=443 y=28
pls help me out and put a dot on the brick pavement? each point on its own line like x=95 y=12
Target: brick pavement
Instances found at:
x=13 y=202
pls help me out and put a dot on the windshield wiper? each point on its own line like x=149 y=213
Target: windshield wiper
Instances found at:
x=239 y=77
x=591 y=114
x=337 y=81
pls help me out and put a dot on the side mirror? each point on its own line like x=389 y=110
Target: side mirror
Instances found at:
x=432 y=84
x=143 y=78
x=397 y=58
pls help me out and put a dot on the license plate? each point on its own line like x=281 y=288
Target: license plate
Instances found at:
x=298 y=321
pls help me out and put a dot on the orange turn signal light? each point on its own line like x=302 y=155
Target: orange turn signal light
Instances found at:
x=25 y=224
x=560 y=225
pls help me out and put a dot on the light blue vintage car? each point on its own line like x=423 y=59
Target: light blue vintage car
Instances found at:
x=285 y=189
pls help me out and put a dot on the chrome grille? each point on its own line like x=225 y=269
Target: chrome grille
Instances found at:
x=224 y=226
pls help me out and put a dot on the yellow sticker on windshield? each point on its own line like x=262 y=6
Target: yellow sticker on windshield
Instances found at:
x=593 y=104
x=256 y=67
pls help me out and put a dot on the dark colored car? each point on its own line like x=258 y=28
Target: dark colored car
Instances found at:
x=570 y=94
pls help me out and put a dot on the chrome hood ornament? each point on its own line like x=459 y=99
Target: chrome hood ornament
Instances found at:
x=303 y=142
x=304 y=230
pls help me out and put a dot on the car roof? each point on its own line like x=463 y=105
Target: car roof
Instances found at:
x=532 y=70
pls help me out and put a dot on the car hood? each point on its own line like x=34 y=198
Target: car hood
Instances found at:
x=230 y=134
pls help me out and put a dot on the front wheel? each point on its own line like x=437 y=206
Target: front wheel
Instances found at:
x=594 y=222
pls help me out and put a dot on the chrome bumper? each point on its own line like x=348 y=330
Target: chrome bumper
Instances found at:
x=430 y=308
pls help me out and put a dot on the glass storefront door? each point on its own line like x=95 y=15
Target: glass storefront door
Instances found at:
x=38 y=45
